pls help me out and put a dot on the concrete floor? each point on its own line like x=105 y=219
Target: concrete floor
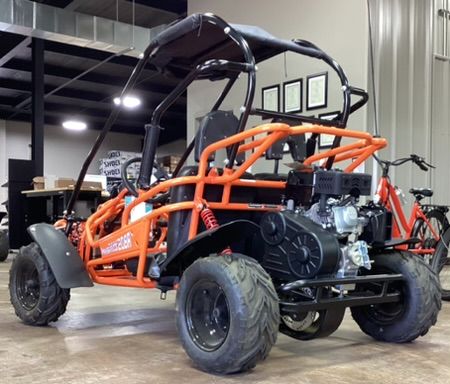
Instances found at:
x=118 y=335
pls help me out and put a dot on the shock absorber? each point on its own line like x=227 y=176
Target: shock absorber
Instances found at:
x=210 y=221
x=208 y=218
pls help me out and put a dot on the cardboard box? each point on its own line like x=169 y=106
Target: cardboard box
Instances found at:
x=94 y=185
x=38 y=182
x=110 y=172
x=169 y=161
x=108 y=163
x=124 y=155
x=113 y=167
x=64 y=182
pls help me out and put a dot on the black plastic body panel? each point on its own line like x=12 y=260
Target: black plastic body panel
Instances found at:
x=299 y=187
x=296 y=247
x=61 y=255
x=179 y=221
x=379 y=229
x=211 y=241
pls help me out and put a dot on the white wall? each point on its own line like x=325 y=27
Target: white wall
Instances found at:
x=402 y=37
x=64 y=151
x=338 y=27
x=174 y=148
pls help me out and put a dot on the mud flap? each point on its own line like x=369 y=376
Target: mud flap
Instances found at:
x=61 y=255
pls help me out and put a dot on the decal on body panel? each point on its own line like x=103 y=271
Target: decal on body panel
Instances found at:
x=121 y=244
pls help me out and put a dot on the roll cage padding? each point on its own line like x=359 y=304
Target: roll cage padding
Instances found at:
x=61 y=255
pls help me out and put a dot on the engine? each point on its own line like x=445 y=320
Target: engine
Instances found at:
x=322 y=231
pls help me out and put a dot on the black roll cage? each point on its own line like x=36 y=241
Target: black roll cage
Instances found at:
x=217 y=69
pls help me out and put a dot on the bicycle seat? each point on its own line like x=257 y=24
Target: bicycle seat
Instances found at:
x=425 y=192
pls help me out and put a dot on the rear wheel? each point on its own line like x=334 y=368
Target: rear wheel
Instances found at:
x=4 y=245
x=438 y=223
x=417 y=310
x=35 y=294
x=227 y=313
x=441 y=264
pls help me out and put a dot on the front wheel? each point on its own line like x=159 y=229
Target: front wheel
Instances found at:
x=35 y=294
x=227 y=313
x=420 y=300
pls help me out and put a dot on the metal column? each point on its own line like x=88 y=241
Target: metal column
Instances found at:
x=37 y=117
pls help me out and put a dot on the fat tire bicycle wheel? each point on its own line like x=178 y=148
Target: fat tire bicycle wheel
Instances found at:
x=438 y=222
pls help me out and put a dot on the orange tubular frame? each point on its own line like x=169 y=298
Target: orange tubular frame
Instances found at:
x=103 y=253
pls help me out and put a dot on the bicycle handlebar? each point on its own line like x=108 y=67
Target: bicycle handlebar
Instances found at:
x=418 y=160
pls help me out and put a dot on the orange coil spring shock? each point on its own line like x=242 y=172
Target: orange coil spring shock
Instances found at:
x=208 y=218
x=210 y=222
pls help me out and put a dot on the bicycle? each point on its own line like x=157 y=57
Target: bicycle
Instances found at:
x=426 y=223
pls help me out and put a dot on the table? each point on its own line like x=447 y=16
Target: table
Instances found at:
x=55 y=201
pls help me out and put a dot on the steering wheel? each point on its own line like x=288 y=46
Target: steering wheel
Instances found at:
x=158 y=172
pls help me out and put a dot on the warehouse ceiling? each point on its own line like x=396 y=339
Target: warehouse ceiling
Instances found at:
x=90 y=96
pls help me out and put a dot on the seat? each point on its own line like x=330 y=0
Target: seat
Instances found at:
x=420 y=193
x=296 y=143
x=179 y=221
x=276 y=150
x=215 y=126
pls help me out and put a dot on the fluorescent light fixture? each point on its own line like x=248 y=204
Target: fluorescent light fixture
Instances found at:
x=74 y=125
x=129 y=102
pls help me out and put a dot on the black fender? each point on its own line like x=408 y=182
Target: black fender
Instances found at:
x=212 y=241
x=61 y=255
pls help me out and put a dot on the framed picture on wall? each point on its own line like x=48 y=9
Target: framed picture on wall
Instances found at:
x=317 y=91
x=292 y=96
x=326 y=141
x=271 y=98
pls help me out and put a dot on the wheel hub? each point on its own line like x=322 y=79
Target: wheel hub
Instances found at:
x=207 y=315
x=28 y=286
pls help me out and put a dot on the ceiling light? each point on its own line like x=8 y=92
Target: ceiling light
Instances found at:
x=74 y=125
x=129 y=102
